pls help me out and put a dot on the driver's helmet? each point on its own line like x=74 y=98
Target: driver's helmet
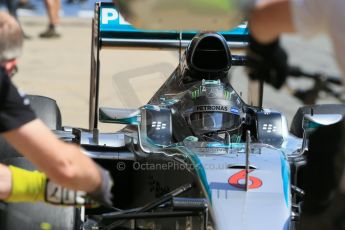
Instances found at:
x=214 y=108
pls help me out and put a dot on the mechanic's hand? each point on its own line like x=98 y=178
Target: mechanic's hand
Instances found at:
x=58 y=195
x=267 y=62
x=103 y=195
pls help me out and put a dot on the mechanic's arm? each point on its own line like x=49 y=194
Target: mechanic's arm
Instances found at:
x=266 y=59
x=63 y=163
x=20 y=185
x=5 y=182
x=269 y=19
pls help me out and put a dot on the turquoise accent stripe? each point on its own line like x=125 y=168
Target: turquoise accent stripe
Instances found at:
x=221 y=145
x=130 y=120
x=285 y=170
x=199 y=169
x=125 y=121
x=202 y=175
x=111 y=21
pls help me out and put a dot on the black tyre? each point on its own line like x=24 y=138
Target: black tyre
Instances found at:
x=47 y=110
x=296 y=125
x=29 y=216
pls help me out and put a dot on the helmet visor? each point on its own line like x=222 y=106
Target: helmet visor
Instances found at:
x=203 y=122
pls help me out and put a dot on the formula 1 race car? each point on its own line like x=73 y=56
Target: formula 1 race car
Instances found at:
x=196 y=156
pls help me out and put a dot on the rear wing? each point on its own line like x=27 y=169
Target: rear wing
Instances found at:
x=115 y=31
x=110 y=29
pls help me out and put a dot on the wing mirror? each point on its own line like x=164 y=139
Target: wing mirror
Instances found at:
x=153 y=122
x=119 y=116
x=156 y=125
x=312 y=121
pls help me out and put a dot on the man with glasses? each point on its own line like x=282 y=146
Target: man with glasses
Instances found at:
x=64 y=164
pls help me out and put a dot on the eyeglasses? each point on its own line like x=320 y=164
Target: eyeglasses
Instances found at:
x=13 y=71
x=9 y=67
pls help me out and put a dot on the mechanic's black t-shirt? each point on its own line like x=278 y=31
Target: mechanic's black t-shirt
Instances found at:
x=15 y=109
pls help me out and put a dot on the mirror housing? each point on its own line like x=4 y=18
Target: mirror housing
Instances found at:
x=119 y=116
x=311 y=122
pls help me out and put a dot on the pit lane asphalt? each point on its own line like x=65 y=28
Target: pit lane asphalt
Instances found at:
x=60 y=69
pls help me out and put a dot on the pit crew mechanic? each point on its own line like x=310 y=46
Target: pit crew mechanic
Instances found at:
x=268 y=61
x=63 y=163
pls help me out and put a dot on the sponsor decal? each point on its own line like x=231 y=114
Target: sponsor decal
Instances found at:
x=111 y=15
x=111 y=20
x=234 y=110
x=227 y=94
x=237 y=180
x=211 y=150
x=195 y=94
x=212 y=108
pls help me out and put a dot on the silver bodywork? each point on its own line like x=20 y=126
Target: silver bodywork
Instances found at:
x=239 y=209
x=245 y=185
x=265 y=205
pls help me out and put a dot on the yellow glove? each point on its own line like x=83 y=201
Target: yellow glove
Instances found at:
x=27 y=186
x=33 y=186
